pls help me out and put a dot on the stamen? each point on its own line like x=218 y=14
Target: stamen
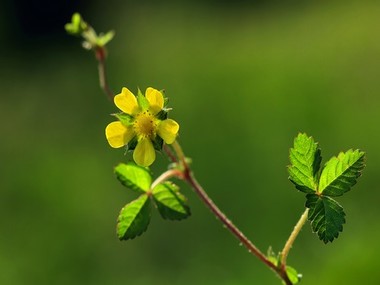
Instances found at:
x=145 y=125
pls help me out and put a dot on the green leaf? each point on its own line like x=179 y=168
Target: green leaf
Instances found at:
x=305 y=158
x=134 y=177
x=170 y=203
x=293 y=275
x=77 y=25
x=134 y=218
x=102 y=40
x=326 y=216
x=340 y=173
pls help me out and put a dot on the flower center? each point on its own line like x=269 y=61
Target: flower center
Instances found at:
x=145 y=125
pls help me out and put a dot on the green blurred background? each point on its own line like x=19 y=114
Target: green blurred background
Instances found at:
x=243 y=77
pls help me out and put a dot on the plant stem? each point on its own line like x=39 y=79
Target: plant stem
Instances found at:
x=292 y=238
x=167 y=175
x=227 y=222
x=170 y=154
x=188 y=176
x=181 y=156
x=100 y=54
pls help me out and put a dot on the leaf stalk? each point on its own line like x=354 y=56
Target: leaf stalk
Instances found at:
x=289 y=243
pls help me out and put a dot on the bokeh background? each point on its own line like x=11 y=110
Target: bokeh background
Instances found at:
x=243 y=77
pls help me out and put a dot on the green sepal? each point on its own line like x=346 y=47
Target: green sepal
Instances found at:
x=104 y=39
x=326 y=216
x=340 y=173
x=132 y=144
x=134 y=177
x=158 y=142
x=134 y=218
x=142 y=101
x=170 y=202
x=125 y=119
x=77 y=25
x=166 y=99
x=162 y=115
x=305 y=158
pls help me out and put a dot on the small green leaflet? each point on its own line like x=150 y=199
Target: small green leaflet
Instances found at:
x=170 y=203
x=305 y=158
x=134 y=218
x=104 y=39
x=340 y=173
x=326 y=216
x=134 y=177
x=77 y=25
x=292 y=273
x=337 y=177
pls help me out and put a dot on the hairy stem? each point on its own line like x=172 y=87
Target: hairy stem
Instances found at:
x=292 y=238
x=100 y=54
x=188 y=176
x=165 y=176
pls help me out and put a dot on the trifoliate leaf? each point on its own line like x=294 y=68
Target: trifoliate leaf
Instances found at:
x=326 y=216
x=340 y=173
x=134 y=177
x=134 y=218
x=170 y=202
x=305 y=158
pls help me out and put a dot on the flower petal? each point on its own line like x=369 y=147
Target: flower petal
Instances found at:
x=126 y=101
x=118 y=135
x=168 y=130
x=144 y=154
x=156 y=100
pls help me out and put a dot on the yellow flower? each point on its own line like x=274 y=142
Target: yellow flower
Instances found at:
x=142 y=126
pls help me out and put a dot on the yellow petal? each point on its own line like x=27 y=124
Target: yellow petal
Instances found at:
x=118 y=135
x=126 y=101
x=168 y=130
x=156 y=100
x=144 y=154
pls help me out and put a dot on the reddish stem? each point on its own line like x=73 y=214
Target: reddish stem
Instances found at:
x=101 y=54
x=188 y=176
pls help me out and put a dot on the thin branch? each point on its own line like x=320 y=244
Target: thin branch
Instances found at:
x=100 y=54
x=167 y=175
x=292 y=238
x=198 y=189
x=227 y=222
x=170 y=154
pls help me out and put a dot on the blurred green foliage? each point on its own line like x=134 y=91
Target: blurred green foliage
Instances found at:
x=243 y=81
